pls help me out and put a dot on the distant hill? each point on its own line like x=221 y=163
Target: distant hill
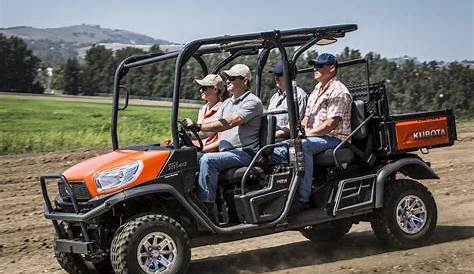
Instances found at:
x=51 y=44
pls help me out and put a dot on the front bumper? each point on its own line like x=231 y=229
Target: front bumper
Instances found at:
x=74 y=246
x=63 y=243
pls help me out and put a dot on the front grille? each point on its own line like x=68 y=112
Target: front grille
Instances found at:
x=79 y=189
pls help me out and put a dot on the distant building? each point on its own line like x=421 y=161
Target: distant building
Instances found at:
x=468 y=63
x=400 y=61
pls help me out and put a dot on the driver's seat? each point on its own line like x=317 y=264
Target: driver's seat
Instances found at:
x=267 y=136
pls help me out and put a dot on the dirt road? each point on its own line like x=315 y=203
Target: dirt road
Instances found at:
x=26 y=237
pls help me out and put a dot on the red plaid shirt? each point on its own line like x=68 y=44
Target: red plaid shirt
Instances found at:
x=332 y=100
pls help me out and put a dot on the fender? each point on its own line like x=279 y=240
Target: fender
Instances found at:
x=412 y=167
x=158 y=188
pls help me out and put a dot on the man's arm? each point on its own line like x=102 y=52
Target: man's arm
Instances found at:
x=222 y=124
x=326 y=127
x=282 y=133
x=203 y=134
x=338 y=106
x=304 y=122
x=302 y=101
x=245 y=113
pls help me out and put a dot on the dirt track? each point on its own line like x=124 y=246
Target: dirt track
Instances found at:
x=26 y=237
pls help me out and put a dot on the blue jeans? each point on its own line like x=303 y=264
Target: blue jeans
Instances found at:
x=311 y=146
x=210 y=164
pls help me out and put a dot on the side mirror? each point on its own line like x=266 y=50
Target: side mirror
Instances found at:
x=123 y=101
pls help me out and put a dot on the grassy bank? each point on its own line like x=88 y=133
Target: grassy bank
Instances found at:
x=30 y=125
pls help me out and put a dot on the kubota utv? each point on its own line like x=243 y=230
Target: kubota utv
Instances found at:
x=134 y=210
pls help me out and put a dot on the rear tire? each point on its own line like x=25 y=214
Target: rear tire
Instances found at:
x=150 y=244
x=408 y=217
x=327 y=233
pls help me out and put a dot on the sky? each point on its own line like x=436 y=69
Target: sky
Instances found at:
x=425 y=29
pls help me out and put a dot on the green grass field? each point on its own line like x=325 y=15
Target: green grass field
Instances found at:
x=34 y=124
x=31 y=125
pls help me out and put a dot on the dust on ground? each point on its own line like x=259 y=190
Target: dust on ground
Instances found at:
x=26 y=236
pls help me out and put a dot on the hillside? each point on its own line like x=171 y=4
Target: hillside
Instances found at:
x=81 y=34
x=50 y=44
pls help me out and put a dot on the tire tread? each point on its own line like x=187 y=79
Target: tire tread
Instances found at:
x=381 y=224
x=123 y=236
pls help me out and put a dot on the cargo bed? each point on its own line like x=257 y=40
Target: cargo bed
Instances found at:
x=414 y=131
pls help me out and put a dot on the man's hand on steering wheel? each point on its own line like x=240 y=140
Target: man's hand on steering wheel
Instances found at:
x=189 y=124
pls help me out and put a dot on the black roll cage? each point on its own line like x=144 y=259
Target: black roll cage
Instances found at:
x=237 y=45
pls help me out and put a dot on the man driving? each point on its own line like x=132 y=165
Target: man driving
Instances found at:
x=238 y=125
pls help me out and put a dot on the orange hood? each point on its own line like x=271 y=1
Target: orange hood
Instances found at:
x=153 y=162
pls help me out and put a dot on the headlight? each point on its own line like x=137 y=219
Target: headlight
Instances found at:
x=118 y=176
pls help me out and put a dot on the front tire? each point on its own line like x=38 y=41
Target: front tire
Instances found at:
x=72 y=263
x=150 y=244
x=408 y=217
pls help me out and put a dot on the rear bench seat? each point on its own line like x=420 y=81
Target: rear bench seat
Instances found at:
x=344 y=154
x=325 y=158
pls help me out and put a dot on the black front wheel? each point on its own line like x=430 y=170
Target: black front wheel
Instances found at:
x=151 y=244
x=408 y=217
x=72 y=263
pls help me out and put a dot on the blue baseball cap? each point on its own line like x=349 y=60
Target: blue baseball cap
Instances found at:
x=324 y=59
x=277 y=68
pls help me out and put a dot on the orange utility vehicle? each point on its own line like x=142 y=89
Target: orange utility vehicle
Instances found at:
x=134 y=210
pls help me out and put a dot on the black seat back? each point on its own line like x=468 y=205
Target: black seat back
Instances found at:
x=357 y=117
x=267 y=130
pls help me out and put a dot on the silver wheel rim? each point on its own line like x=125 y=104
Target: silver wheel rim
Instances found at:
x=157 y=253
x=411 y=214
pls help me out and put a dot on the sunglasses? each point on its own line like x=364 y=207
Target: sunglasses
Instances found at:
x=233 y=78
x=278 y=75
x=318 y=66
x=205 y=88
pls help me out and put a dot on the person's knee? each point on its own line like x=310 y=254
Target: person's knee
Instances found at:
x=306 y=144
x=280 y=151
x=207 y=161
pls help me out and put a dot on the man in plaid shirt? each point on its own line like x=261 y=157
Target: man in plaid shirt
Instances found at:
x=327 y=120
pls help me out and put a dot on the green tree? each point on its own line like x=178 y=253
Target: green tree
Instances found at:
x=18 y=66
x=135 y=79
x=99 y=71
x=411 y=86
x=72 y=77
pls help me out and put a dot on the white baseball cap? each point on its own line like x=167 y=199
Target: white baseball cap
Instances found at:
x=239 y=70
x=211 y=80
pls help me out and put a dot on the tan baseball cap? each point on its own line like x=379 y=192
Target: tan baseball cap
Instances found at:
x=239 y=70
x=211 y=80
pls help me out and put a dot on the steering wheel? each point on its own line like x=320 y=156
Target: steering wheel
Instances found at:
x=185 y=136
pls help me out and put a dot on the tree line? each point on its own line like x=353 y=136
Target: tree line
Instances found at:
x=411 y=86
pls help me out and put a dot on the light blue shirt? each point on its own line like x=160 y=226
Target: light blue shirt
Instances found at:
x=278 y=102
